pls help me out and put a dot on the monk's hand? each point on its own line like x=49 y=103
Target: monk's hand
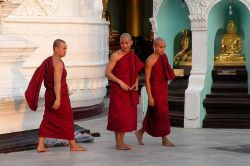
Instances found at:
x=134 y=87
x=56 y=104
x=124 y=86
x=151 y=101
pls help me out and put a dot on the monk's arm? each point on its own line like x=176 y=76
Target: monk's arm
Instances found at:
x=58 y=69
x=148 y=69
x=137 y=81
x=111 y=76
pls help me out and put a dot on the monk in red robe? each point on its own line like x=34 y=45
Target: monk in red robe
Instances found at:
x=122 y=72
x=58 y=119
x=157 y=74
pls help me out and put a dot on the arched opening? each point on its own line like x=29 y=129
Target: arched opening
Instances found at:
x=226 y=11
x=228 y=81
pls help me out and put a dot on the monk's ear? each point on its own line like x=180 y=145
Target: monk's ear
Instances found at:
x=153 y=47
x=131 y=42
x=56 y=49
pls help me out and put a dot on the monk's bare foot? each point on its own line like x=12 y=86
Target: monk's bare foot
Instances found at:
x=139 y=137
x=41 y=149
x=122 y=147
x=129 y=146
x=77 y=148
x=167 y=143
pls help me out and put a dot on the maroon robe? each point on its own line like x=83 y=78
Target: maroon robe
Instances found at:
x=56 y=123
x=122 y=115
x=156 y=122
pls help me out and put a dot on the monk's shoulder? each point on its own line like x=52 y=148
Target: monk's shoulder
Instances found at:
x=115 y=56
x=58 y=65
x=150 y=60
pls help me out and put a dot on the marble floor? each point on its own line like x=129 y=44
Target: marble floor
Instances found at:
x=206 y=147
x=194 y=147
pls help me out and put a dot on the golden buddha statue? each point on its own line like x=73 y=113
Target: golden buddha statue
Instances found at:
x=105 y=13
x=184 y=56
x=231 y=46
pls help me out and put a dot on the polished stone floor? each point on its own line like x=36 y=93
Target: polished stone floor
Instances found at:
x=194 y=147
x=206 y=147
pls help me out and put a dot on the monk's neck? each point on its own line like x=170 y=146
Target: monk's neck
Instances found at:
x=56 y=57
x=157 y=55
x=124 y=52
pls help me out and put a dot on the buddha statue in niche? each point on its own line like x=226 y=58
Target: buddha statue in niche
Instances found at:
x=231 y=46
x=184 y=56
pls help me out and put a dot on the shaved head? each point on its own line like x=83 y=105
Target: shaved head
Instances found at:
x=158 y=40
x=159 y=46
x=57 y=43
x=125 y=35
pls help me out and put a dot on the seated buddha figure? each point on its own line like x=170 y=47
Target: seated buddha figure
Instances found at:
x=105 y=13
x=184 y=56
x=231 y=46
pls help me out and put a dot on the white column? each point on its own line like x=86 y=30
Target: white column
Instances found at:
x=153 y=20
x=193 y=103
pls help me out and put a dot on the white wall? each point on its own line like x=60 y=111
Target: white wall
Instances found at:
x=36 y=24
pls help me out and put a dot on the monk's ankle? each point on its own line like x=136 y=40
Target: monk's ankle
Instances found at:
x=139 y=138
x=41 y=149
x=167 y=143
x=123 y=147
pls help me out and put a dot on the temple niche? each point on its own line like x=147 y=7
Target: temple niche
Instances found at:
x=27 y=31
x=227 y=104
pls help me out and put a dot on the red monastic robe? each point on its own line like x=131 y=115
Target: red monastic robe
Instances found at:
x=56 y=123
x=156 y=122
x=122 y=115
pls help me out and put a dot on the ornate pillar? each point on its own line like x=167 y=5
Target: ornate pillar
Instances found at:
x=153 y=20
x=193 y=94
